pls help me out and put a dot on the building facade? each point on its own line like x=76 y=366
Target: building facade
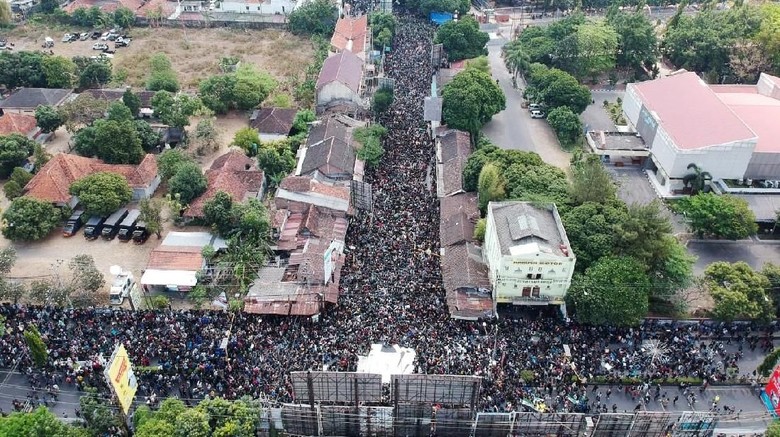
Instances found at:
x=529 y=258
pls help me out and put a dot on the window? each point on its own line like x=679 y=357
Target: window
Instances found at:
x=535 y=292
x=526 y=291
x=538 y=276
x=529 y=276
x=247 y=8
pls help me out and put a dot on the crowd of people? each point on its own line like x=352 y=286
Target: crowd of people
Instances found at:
x=391 y=293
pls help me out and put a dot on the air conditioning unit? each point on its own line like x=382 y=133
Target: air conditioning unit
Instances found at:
x=749 y=182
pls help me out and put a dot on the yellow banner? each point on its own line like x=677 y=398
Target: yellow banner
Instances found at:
x=121 y=377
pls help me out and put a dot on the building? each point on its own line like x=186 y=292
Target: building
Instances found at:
x=177 y=263
x=453 y=148
x=258 y=7
x=528 y=254
x=330 y=151
x=22 y=124
x=115 y=95
x=352 y=34
x=272 y=123
x=233 y=173
x=142 y=8
x=299 y=193
x=340 y=83
x=52 y=182
x=25 y=100
x=729 y=131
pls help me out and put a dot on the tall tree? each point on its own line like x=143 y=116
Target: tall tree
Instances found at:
x=637 y=41
x=48 y=118
x=719 y=216
x=566 y=125
x=102 y=193
x=162 y=76
x=112 y=141
x=591 y=182
x=87 y=282
x=470 y=100
x=188 y=182
x=132 y=101
x=22 y=69
x=60 y=71
x=29 y=219
x=614 y=291
x=175 y=110
x=593 y=230
x=36 y=346
x=739 y=292
x=462 y=39
x=82 y=112
x=152 y=215
x=491 y=186
x=316 y=17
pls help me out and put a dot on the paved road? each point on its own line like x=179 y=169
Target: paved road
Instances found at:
x=756 y=254
x=595 y=116
x=513 y=128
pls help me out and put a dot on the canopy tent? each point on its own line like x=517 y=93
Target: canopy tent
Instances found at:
x=179 y=278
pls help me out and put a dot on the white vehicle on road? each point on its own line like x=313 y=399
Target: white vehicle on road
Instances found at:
x=121 y=286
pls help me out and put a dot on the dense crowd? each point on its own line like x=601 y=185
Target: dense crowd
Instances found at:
x=392 y=294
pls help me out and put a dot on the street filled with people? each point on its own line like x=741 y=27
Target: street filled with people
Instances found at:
x=391 y=294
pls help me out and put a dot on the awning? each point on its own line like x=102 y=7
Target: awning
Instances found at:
x=182 y=278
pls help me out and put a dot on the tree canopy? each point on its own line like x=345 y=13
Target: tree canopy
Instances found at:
x=370 y=139
x=102 y=193
x=739 y=292
x=38 y=423
x=29 y=219
x=115 y=142
x=316 y=17
x=462 y=39
x=719 y=216
x=470 y=100
x=162 y=76
x=566 y=125
x=244 y=89
x=188 y=182
x=48 y=118
x=175 y=109
x=14 y=151
x=555 y=88
x=613 y=291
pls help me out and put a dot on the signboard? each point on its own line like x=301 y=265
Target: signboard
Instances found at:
x=771 y=393
x=327 y=258
x=121 y=378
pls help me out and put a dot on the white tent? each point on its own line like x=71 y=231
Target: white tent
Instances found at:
x=178 y=278
x=387 y=361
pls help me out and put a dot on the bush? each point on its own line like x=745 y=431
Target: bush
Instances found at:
x=768 y=365
x=160 y=302
x=12 y=190
x=382 y=100
x=479 y=230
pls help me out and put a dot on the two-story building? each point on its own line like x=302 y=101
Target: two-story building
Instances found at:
x=529 y=257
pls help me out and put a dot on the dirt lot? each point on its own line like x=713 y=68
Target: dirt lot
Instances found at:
x=194 y=53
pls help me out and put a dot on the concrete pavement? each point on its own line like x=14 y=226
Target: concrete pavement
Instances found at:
x=513 y=128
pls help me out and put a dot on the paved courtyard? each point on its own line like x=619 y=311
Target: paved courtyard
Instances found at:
x=755 y=253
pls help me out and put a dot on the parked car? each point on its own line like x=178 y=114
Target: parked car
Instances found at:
x=534 y=107
x=537 y=114
x=104 y=36
x=84 y=36
x=66 y=38
x=108 y=52
x=74 y=223
x=127 y=226
x=121 y=43
x=99 y=46
x=93 y=227
x=48 y=43
x=96 y=35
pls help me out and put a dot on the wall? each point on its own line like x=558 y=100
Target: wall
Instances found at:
x=260 y=8
x=631 y=104
x=512 y=278
x=336 y=91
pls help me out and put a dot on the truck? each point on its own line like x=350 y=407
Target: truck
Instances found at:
x=140 y=234
x=121 y=286
x=74 y=223
x=127 y=226
x=93 y=227
x=111 y=226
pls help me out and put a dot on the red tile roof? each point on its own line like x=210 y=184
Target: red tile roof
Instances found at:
x=12 y=123
x=175 y=258
x=350 y=34
x=345 y=68
x=233 y=173
x=53 y=181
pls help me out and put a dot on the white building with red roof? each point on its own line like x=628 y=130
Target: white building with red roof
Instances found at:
x=729 y=131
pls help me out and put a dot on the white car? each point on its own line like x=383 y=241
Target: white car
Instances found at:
x=66 y=38
x=99 y=46
x=537 y=114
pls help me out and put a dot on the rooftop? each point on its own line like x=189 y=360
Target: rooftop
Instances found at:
x=31 y=98
x=187 y=258
x=53 y=180
x=12 y=123
x=194 y=239
x=276 y=121
x=345 y=68
x=455 y=148
x=310 y=191
x=233 y=173
x=350 y=34
x=757 y=110
x=617 y=140
x=465 y=280
x=764 y=206
x=524 y=228
x=459 y=215
x=329 y=148
x=691 y=112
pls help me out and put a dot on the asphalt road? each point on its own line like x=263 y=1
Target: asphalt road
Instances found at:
x=756 y=254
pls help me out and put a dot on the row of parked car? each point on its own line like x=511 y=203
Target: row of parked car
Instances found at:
x=123 y=224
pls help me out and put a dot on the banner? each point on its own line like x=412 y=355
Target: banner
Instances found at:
x=121 y=378
x=771 y=393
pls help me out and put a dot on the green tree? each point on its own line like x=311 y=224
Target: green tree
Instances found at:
x=276 y=164
x=38 y=352
x=773 y=430
x=117 y=111
x=155 y=427
x=169 y=162
x=16 y=183
x=382 y=28
x=38 y=423
x=252 y=86
x=566 y=124
x=14 y=151
x=112 y=141
x=719 y=216
x=188 y=182
x=516 y=59
x=151 y=214
x=218 y=212
x=149 y=137
x=462 y=39
x=491 y=186
x=248 y=139
x=479 y=63
x=100 y=418
x=60 y=72
x=82 y=112
x=29 y=219
x=48 y=119
x=613 y=291
x=479 y=230
x=739 y=292
x=96 y=73
x=637 y=41
x=597 y=45
x=317 y=17
x=697 y=179
x=382 y=100
x=175 y=110
x=87 y=282
x=132 y=101
x=102 y=193
x=217 y=92
x=554 y=88
x=370 y=140
x=193 y=423
x=470 y=100
x=22 y=69
x=123 y=17
x=593 y=230
x=591 y=182
x=162 y=77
